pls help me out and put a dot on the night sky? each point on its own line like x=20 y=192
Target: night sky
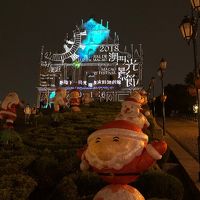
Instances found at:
x=26 y=25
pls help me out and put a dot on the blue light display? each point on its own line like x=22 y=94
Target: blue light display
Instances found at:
x=52 y=95
x=96 y=34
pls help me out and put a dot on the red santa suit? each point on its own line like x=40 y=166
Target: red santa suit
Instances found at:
x=8 y=109
x=75 y=101
x=119 y=152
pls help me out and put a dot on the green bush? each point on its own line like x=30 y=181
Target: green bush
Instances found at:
x=15 y=164
x=10 y=139
x=65 y=190
x=16 y=187
x=89 y=183
x=45 y=169
x=160 y=185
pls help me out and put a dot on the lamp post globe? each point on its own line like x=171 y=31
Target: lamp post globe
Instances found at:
x=163 y=64
x=195 y=4
x=186 y=28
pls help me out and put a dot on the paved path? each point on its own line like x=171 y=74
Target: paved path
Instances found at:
x=185 y=132
x=181 y=137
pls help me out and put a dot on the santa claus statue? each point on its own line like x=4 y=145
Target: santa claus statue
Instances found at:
x=75 y=100
x=119 y=152
x=144 y=107
x=131 y=110
x=8 y=109
x=59 y=102
x=60 y=99
x=87 y=99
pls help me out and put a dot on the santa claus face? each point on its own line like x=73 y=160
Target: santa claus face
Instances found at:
x=112 y=151
x=145 y=100
x=75 y=94
x=130 y=107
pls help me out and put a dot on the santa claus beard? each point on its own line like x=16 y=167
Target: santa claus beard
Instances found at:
x=135 y=118
x=118 y=161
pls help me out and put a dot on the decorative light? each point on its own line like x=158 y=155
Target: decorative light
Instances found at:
x=163 y=64
x=186 y=28
x=96 y=35
x=76 y=64
x=52 y=95
x=195 y=108
x=195 y=4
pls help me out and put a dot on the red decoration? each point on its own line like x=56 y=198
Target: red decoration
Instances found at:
x=8 y=109
x=119 y=152
x=75 y=100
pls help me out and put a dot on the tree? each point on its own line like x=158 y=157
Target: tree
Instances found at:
x=189 y=79
x=178 y=99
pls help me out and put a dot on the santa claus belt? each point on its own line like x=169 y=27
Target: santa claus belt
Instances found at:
x=119 y=174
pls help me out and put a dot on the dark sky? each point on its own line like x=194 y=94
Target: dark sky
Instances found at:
x=26 y=25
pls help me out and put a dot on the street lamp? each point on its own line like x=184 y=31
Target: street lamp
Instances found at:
x=189 y=29
x=196 y=4
x=161 y=70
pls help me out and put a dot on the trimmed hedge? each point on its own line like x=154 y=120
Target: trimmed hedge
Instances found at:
x=160 y=185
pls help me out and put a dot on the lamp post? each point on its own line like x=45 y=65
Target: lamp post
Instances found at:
x=161 y=70
x=189 y=29
x=151 y=87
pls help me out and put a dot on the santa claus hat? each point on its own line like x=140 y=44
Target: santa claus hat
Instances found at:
x=9 y=100
x=120 y=128
x=135 y=98
x=143 y=92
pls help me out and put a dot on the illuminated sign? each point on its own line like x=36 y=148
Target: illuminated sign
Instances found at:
x=90 y=49
x=107 y=70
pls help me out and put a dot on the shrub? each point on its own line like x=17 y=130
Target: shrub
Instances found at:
x=160 y=185
x=15 y=164
x=10 y=139
x=16 y=187
x=89 y=183
x=46 y=169
x=65 y=190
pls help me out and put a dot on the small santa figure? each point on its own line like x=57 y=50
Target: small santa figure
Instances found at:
x=86 y=99
x=27 y=112
x=131 y=110
x=144 y=107
x=119 y=152
x=75 y=100
x=8 y=109
x=60 y=99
